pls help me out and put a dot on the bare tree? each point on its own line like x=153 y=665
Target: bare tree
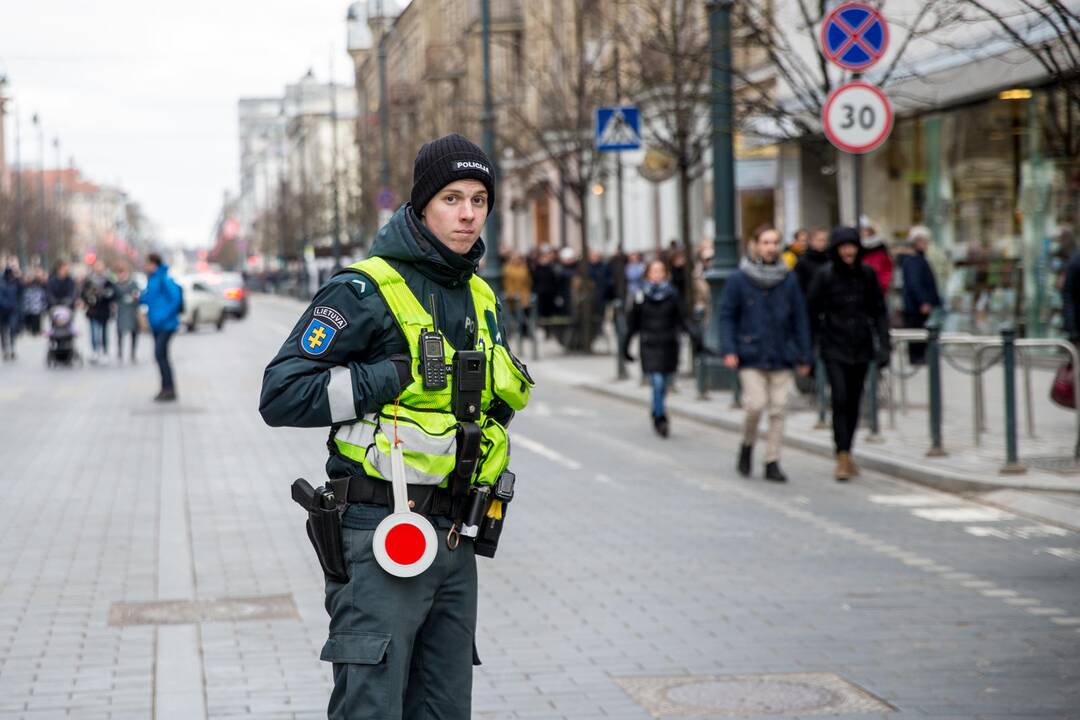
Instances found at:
x=566 y=80
x=670 y=64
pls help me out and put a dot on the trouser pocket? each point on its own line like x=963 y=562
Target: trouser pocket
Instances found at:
x=361 y=675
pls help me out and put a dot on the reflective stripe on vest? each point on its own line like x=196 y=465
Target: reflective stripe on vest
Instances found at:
x=425 y=423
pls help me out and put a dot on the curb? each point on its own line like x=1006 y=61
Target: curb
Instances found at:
x=940 y=479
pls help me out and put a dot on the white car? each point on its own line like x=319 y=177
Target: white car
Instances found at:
x=202 y=304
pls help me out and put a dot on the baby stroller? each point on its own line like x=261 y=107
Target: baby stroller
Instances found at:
x=62 y=338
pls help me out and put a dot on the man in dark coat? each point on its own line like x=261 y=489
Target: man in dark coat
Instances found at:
x=10 y=301
x=920 y=292
x=764 y=333
x=60 y=289
x=815 y=258
x=848 y=312
x=1070 y=297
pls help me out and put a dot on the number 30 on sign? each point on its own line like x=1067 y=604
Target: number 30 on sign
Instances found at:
x=857 y=117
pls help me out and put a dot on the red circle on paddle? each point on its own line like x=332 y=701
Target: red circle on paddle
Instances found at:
x=405 y=544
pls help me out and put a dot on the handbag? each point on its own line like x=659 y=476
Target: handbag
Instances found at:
x=1063 y=391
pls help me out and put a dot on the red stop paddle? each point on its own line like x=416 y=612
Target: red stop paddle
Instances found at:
x=404 y=542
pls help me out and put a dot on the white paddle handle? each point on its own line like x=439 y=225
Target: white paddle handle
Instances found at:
x=397 y=478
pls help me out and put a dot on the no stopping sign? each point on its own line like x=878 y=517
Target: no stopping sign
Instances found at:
x=857 y=117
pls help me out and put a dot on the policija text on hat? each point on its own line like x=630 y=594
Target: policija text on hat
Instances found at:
x=404 y=358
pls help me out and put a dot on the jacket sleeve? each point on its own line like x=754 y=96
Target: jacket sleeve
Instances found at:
x=879 y=316
x=305 y=386
x=801 y=324
x=728 y=317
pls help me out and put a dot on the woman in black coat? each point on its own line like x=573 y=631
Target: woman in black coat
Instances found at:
x=658 y=314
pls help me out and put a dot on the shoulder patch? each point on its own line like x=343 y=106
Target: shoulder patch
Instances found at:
x=316 y=338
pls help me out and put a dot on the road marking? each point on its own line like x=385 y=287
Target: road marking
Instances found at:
x=1022 y=601
x=1066 y=620
x=546 y=452
x=984 y=531
x=1045 y=611
x=912 y=500
x=1064 y=553
x=999 y=593
x=960 y=514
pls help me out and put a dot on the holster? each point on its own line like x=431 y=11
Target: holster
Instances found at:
x=468 y=455
x=323 y=528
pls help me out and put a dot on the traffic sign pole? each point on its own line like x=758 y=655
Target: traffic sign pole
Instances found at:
x=857 y=179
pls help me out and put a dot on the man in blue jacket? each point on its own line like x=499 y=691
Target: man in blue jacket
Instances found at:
x=920 y=289
x=764 y=334
x=163 y=299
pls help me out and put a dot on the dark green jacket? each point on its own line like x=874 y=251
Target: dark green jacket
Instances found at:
x=302 y=388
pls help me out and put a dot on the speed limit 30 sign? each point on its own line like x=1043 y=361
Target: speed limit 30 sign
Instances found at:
x=857 y=117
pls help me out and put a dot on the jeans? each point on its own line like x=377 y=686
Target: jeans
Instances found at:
x=120 y=343
x=9 y=322
x=99 y=338
x=846 y=381
x=161 y=354
x=660 y=382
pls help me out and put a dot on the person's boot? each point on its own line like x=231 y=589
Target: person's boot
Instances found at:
x=662 y=426
x=843 y=466
x=745 y=460
x=774 y=473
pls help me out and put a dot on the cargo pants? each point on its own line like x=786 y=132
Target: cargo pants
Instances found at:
x=401 y=647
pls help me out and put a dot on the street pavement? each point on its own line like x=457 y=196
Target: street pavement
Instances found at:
x=637 y=577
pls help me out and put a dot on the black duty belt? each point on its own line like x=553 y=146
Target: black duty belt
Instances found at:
x=428 y=499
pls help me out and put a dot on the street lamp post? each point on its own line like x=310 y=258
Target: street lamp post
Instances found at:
x=44 y=220
x=725 y=254
x=20 y=231
x=336 y=244
x=492 y=262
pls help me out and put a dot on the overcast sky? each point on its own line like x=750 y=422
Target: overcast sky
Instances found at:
x=143 y=92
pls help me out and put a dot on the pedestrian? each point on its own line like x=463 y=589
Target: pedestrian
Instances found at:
x=920 y=292
x=659 y=314
x=635 y=274
x=60 y=289
x=796 y=247
x=127 y=311
x=764 y=334
x=517 y=292
x=163 y=299
x=9 y=312
x=546 y=284
x=815 y=258
x=404 y=648
x=98 y=295
x=35 y=301
x=875 y=253
x=847 y=309
x=677 y=266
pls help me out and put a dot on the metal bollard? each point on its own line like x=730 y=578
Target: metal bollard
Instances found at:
x=1008 y=362
x=872 y=404
x=821 y=379
x=619 y=320
x=933 y=366
x=534 y=327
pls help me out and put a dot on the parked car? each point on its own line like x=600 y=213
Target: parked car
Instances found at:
x=230 y=285
x=202 y=304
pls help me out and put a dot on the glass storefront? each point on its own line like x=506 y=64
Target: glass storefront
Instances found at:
x=998 y=183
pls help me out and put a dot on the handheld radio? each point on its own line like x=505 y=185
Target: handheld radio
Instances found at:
x=433 y=354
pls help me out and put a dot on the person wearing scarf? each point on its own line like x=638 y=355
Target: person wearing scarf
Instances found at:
x=764 y=334
x=658 y=314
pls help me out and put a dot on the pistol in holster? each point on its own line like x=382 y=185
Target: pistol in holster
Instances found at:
x=323 y=527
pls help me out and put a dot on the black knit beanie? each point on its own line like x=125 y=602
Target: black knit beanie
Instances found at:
x=842 y=235
x=442 y=161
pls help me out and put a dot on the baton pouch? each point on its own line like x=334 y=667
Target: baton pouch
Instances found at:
x=323 y=529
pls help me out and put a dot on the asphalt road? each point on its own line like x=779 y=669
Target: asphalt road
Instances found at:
x=637 y=577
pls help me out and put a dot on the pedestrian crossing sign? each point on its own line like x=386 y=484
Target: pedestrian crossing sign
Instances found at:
x=618 y=128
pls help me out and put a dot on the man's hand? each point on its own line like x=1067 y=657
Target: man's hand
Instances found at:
x=803 y=370
x=925 y=308
x=731 y=360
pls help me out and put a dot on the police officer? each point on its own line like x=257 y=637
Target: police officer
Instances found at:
x=404 y=647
